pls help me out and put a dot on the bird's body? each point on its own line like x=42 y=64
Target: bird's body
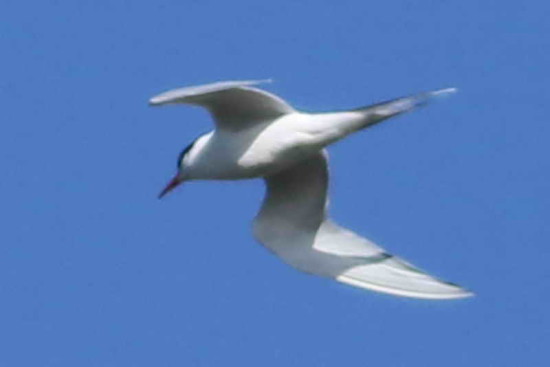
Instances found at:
x=267 y=147
x=259 y=135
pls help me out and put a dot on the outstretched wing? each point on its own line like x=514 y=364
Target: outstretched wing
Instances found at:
x=293 y=224
x=233 y=104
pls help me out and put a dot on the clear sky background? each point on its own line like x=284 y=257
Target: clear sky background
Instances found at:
x=95 y=271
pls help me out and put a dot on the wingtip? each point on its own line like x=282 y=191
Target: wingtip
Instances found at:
x=161 y=99
x=467 y=293
x=461 y=293
x=450 y=294
x=445 y=91
x=154 y=102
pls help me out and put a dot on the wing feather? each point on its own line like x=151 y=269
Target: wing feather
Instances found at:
x=233 y=104
x=293 y=223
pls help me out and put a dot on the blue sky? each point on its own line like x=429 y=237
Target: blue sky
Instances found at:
x=95 y=271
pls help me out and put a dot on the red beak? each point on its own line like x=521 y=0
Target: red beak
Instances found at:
x=171 y=186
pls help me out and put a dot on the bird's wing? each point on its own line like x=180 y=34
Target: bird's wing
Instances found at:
x=293 y=223
x=233 y=104
x=383 y=110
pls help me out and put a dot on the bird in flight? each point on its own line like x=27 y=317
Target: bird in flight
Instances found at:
x=258 y=134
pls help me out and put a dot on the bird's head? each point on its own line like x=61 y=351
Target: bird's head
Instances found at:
x=180 y=176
